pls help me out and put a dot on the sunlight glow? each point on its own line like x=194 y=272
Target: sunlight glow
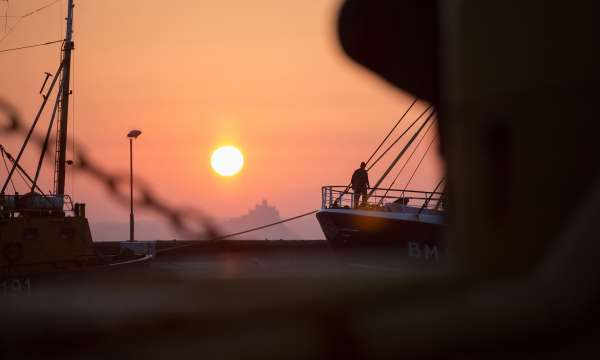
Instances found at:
x=227 y=160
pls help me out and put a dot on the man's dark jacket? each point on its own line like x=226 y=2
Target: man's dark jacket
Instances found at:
x=360 y=179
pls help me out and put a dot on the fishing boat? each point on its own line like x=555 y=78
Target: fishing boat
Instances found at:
x=411 y=219
x=46 y=232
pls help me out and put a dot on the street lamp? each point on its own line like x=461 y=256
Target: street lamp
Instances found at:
x=133 y=134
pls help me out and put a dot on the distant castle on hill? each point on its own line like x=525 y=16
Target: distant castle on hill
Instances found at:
x=262 y=214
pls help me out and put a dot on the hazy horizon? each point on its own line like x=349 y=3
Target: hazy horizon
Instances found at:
x=302 y=229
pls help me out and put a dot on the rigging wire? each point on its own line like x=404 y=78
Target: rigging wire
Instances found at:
x=18 y=170
x=9 y=156
x=399 y=137
x=407 y=161
x=392 y=130
x=266 y=226
x=31 y=46
x=22 y=172
x=223 y=237
x=61 y=17
x=391 y=145
x=32 y=128
x=428 y=200
x=402 y=152
x=46 y=140
x=32 y=12
x=7 y=169
x=419 y=164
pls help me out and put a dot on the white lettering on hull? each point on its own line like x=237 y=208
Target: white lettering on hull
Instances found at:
x=423 y=251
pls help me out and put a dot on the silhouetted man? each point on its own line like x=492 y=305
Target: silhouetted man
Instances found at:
x=360 y=184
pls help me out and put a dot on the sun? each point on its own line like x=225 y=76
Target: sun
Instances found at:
x=227 y=160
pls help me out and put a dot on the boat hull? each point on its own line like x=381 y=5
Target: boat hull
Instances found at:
x=32 y=245
x=420 y=236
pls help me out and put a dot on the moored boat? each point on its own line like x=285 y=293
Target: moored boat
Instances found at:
x=410 y=219
x=46 y=232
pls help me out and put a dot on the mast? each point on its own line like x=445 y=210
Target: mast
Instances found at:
x=64 y=104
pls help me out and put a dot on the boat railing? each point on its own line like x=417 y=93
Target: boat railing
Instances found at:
x=385 y=199
x=35 y=204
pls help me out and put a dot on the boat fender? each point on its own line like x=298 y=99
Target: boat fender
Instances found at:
x=13 y=252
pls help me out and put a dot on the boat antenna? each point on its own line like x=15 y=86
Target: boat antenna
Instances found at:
x=64 y=105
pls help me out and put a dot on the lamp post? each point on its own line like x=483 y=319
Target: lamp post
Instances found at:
x=133 y=134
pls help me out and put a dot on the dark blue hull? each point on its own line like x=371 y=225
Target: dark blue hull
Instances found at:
x=348 y=227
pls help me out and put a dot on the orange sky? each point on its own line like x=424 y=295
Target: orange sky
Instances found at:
x=267 y=76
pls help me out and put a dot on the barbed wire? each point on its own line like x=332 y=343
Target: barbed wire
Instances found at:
x=188 y=221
